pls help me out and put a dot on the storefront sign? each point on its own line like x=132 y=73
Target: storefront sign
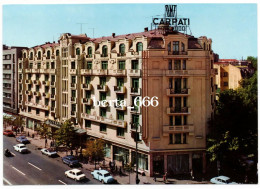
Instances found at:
x=53 y=123
x=171 y=19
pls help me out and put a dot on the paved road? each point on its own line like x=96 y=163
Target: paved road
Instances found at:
x=35 y=168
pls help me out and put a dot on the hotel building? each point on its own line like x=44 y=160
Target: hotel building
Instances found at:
x=58 y=81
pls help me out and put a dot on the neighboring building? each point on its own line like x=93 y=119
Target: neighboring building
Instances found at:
x=58 y=81
x=10 y=67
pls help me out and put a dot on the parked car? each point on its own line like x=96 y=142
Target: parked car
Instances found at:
x=8 y=133
x=49 y=152
x=103 y=176
x=70 y=160
x=22 y=139
x=20 y=148
x=221 y=180
x=75 y=174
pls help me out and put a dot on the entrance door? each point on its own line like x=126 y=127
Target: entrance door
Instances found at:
x=197 y=166
x=158 y=164
x=178 y=164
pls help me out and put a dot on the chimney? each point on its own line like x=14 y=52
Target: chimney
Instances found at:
x=146 y=29
x=113 y=34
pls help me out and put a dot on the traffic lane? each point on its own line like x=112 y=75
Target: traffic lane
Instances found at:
x=47 y=164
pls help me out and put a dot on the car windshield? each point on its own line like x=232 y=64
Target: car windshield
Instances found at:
x=79 y=173
x=51 y=150
x=22 y=137
x=22 y=146
x=227 y=181
x=107 y=174
x=71 y=158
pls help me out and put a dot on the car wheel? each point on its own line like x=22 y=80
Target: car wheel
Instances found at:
x=102 y=181
x=75 y=179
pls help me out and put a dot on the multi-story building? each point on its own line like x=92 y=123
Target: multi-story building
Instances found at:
x=59 y=81
x=10 y=88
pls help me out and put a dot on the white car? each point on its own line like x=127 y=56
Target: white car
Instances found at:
x=20 y=148
x=49 y=152
x=103 y=176
x=75 y=174
x=221 y=180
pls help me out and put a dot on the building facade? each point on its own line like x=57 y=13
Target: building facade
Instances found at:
x=10 y=80
x=64 y=80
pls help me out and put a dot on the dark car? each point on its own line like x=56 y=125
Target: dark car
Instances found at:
x=8 y=133
x=70 y=160
x=22 y=139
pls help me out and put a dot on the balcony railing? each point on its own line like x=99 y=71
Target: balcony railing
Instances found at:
x=121 y=54
x=178 y=128
x=87 y=87
x=134 y=72
x=87 y=101
x=136 y=91
x=177 y=53
x=178 y=92
x=178 y=110
x=102 y=88
x=86 y=72
x=120 y=89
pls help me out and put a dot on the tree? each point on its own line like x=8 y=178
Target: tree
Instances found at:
x=95 y=150
x=44 y=131
x=7 y=120
x=18 y=122
x=65 y=135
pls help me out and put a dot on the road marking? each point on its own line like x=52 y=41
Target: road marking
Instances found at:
x=7 y=181
x=62 y=182
x=34 y=166
x=18 y=171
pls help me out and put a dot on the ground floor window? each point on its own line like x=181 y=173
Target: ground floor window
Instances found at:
x=178 y=164
x=142 y=160
x=107 y=148
x=120 y=154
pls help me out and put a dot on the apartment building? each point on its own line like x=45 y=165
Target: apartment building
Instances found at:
x=10 y=87
x=60 y=81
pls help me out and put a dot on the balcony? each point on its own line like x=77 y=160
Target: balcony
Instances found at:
x=46 y=95
x=134 y=73
x=28 y=92
x=87 y=101
x=87 y=87
x=177 y=53
x=178 y=111
x=102 y=88
x=53 y=96
x=100 y=72
x=86 y=72
x=117 y=72
x=36 y=70
x=135 y=109
x=53 y=109
x=120 y=90
x=135 y=91
x=73 y=71
x=181 y=92
x=52 y=71
x=121 y=54
x=73 y=99
x=53 y=83
x=46 y=83
x=20 y=80
x=73 y=113
x=178 y=128
x=37 y=82
x=73 y=85
x=28 y=81
x=37 y=93
x=177 y=73
x=118 y=107
x=28 y=70
x=116 y=123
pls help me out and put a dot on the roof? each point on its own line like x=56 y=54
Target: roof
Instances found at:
x=228 y=60
x=156 y=43
x=75 y=170
x=193 y=43
x=46 y=45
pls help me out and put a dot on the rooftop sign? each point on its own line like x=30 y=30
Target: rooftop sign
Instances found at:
x=171 y=19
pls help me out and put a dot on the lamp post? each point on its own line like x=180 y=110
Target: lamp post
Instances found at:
x=137 y=180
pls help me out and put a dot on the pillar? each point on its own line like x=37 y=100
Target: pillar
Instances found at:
x=111 y=153
x=165 y=162
x=190 y=161
x=150 y=163
x=204 y=162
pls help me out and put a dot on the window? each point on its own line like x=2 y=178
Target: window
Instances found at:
x=89 y=65
x=184 y=64
x=37 y=88
x=47 y=65
x=73 y=65
x=171 y=120
x=104 y=65
x=225 y=84
x=87 y=109
x=24 y=55
x=120 y=82
x=120 y=115
x=52 y=65
x=46 y=77
x=184 y=138
x=57 y=53
x=175 y=46
x=103 y=96
x=65 y=52
x=73 y=107
x=169 y=47
x=102 y=81
x=103 y=112
x=120 y=132
x=31 y=65
x=139 y=46
x=87 y=123
x=46 y=101
x=121 y=65
x=134 y=64
x=184 y=101
x=52 y=103
x=90 y=52
x=52 y=78
x=73 y=79
x=78 y=51
x=225 y=74
x=48 y=54
x=37 y=76
x=120 y=97
x=185 y=120
x=38 y=65
x=170 y=139
x=29 y=98
x=184 y=83
x=46 y=113
x=135 y=119
x=31 y=55
x=137 y=102
x=29 y=109
x=170 y=65
x=177 y=120
x=104 y=51
x=88 y=94
x=103 y=127
x=182 y=47
x=170 y=83
x=135 y=83
x=87 y=80
x=53 y=91
x=73 y=93
x=177 y=138
x=39 y=55
x=122 y=49
x=37 y=100
x=177 y=64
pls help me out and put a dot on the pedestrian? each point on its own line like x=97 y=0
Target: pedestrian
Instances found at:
x=51 y=144
x=191 y=174
x=165 y=177
x=21 y=129
x=46 y=141
x=28 y=134
x=154 y=177
x=32 y=135
x=18 y=130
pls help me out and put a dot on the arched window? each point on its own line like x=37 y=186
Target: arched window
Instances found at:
x=89 y=51
x=139 y=46
x=169 y=47
x=39 y=54
x=57 y=53
x=104 y=51
x=209 y=47
x=48 y=54
x=24 y=55
x=78 y=51
x=122 y=48
x=31 y=55
x=182 y=47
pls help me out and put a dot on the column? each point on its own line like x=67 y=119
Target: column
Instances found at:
x=150 y=164
x=190 y=161
x=165 y=162
x=111 y=153
x=204 y=162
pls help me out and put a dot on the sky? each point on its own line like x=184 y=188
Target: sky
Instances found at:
x=232 y=27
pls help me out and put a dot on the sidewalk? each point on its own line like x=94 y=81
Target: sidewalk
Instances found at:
x=40 y=143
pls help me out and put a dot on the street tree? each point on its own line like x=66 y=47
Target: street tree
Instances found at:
x=8 y=120
x=94 y=150
x=44 y=131
x=18 y=123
